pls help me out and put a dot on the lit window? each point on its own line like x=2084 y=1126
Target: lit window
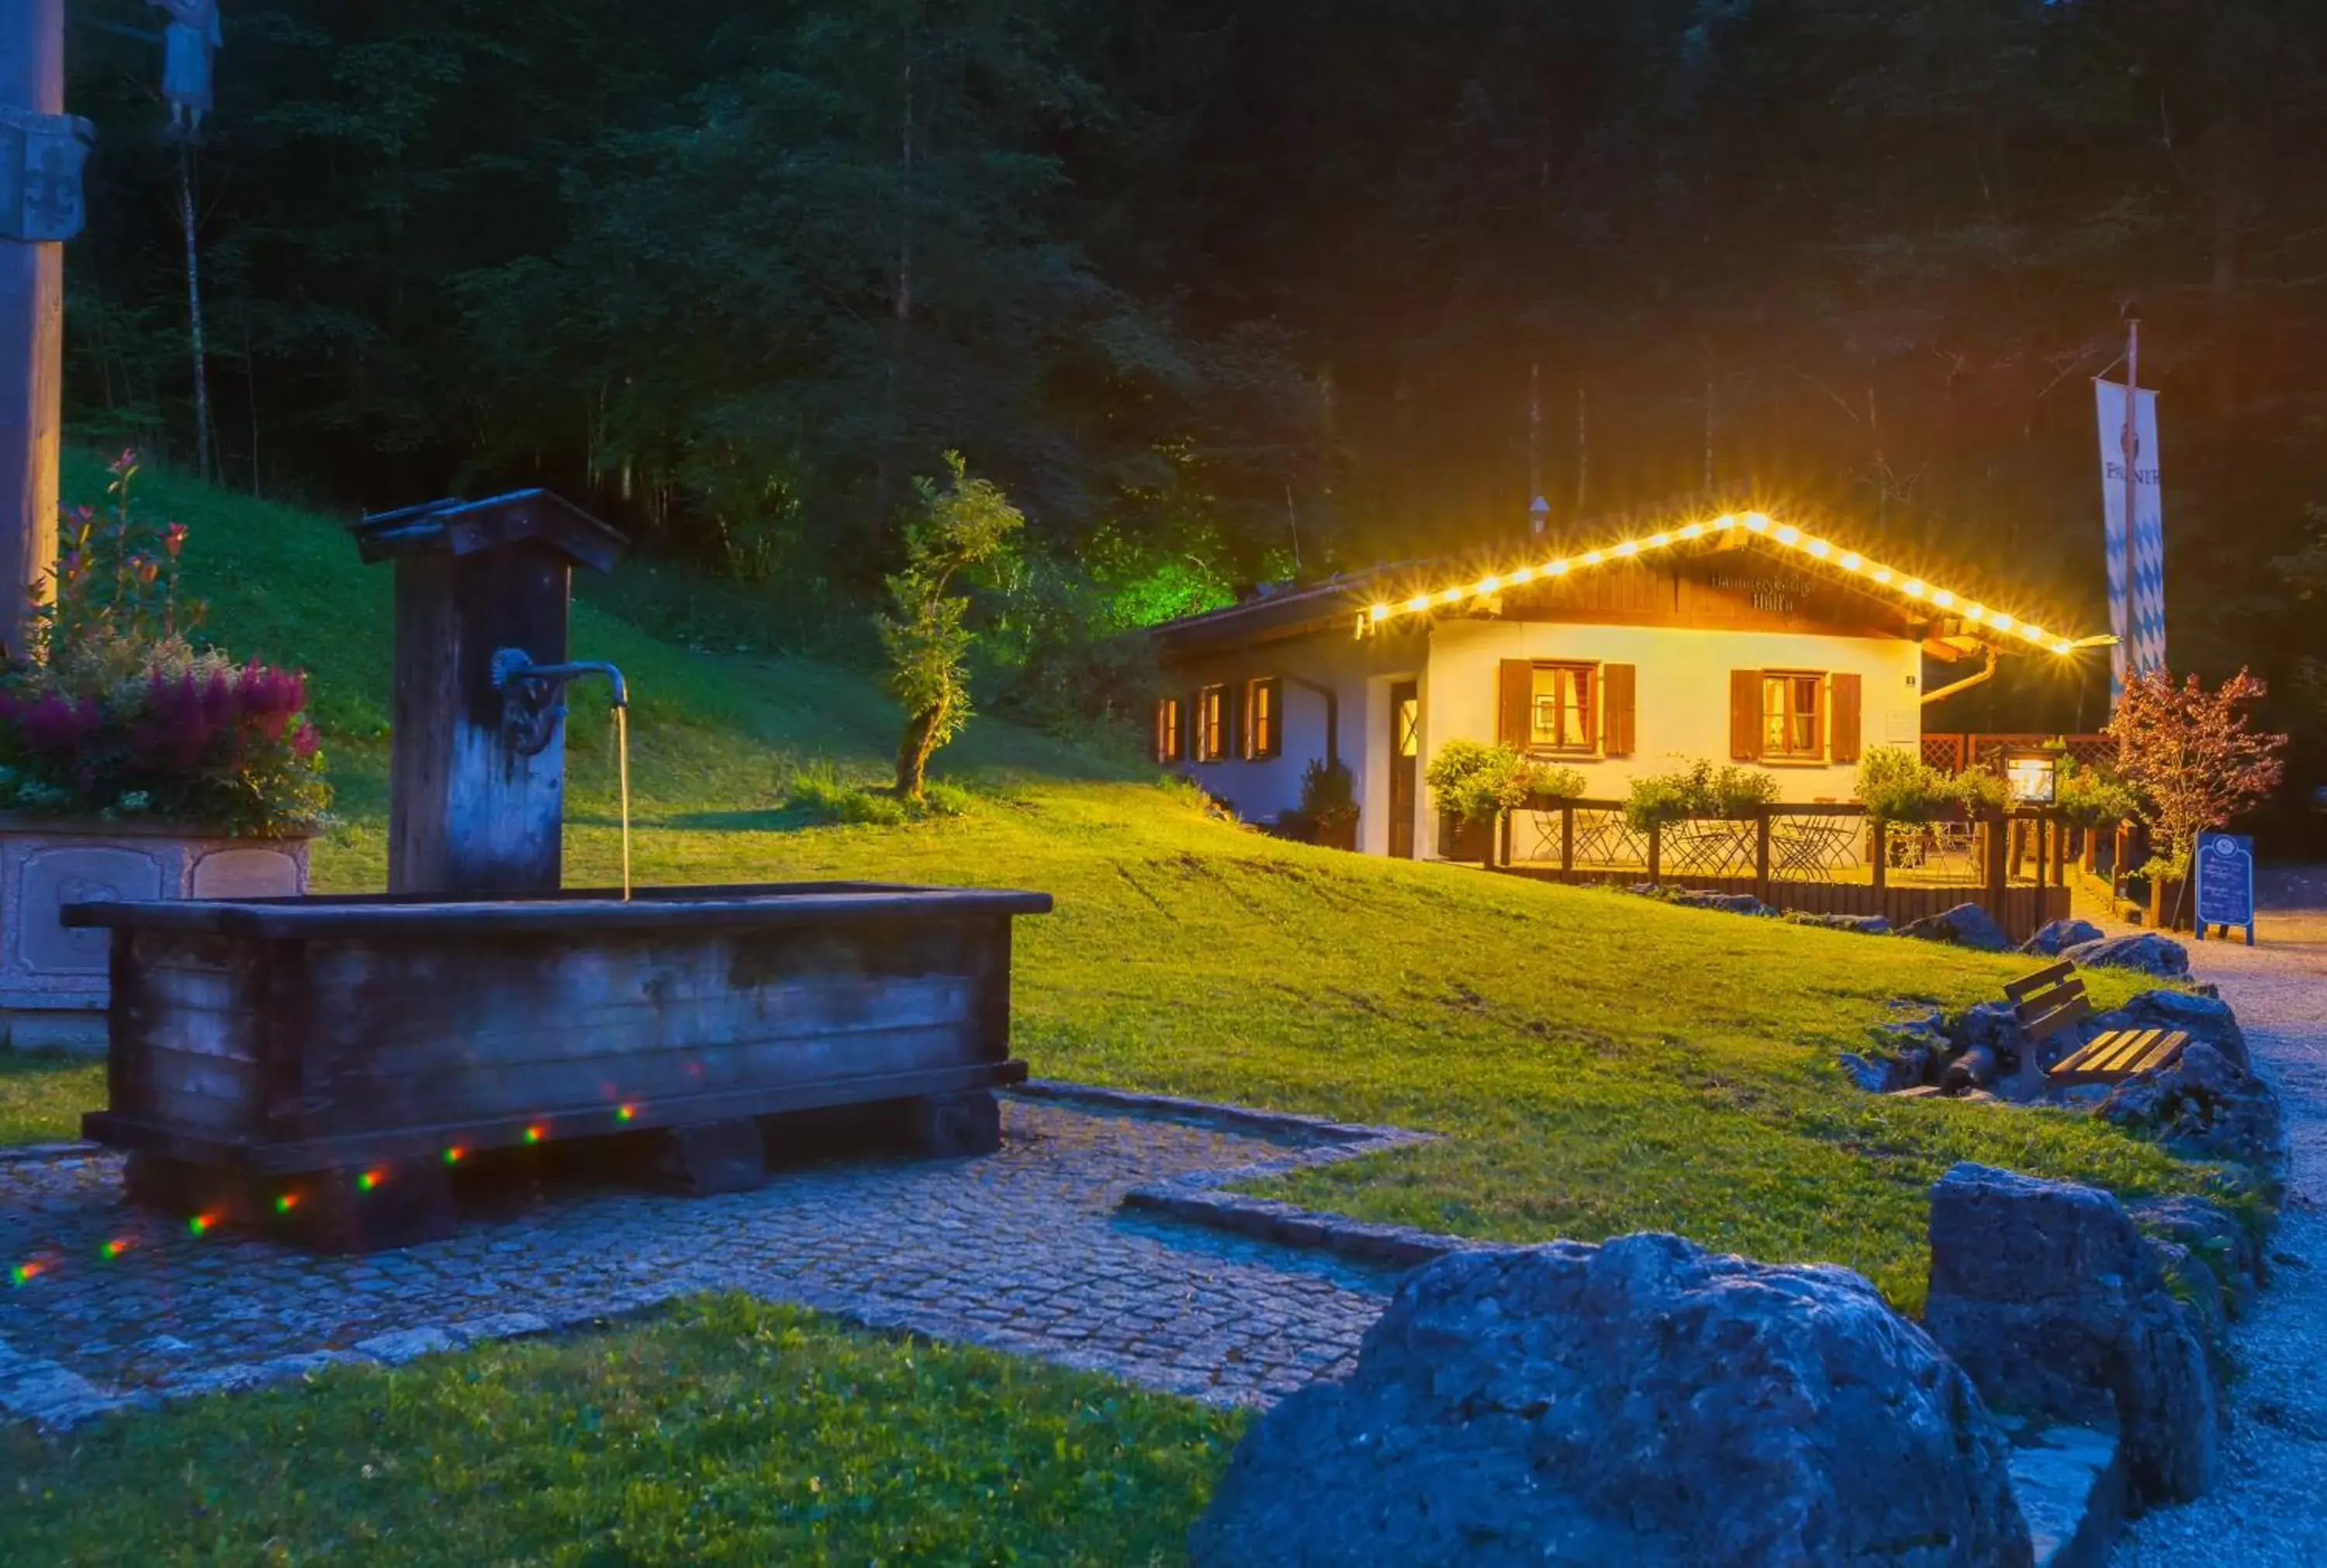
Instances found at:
x=1212 y=724
x=1263 y=723
x=1409 y=727
x=1562 y=712
x=1169 y=741
x=1792 y=724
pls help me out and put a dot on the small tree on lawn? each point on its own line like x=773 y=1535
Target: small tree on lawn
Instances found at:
x=961 y=523
x=2191 y=755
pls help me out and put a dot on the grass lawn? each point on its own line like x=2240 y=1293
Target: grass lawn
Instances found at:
x=725 y=1432
x=42 y=1094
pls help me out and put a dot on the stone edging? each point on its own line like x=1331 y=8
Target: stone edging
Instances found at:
x=1198 y=1198
x=21 y=1153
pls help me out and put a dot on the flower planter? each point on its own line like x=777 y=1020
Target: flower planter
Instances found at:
x=1465 y=838
x=53 y=982
x=2170 y=906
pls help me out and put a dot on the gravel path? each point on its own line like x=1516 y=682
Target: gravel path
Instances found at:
x=2270 y=1506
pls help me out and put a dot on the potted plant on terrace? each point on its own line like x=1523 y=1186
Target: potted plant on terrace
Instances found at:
x=1329 y=804
x=135 y=763
x=1476 y=783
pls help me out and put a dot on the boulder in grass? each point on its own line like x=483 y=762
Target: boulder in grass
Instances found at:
x=1640 y=1402
x=1965 y=925
x=2145 y=951
x=2206 y=1106
x=2213 y=1234
x=1865 y=925
x=2057 y=937
x=2047 y=1295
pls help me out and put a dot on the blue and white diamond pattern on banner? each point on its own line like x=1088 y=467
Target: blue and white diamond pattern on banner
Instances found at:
x=2136 y=566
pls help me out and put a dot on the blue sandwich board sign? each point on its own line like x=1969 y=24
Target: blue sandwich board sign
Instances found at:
x=2224 y=865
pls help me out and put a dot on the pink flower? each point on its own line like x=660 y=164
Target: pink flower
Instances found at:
x=173 y=539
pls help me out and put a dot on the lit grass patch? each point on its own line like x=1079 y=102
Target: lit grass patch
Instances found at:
x=723 y=1432
x=42 y=1094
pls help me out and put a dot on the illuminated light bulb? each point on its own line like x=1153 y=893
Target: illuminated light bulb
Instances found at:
x=1557 y=569
x=116 y=1248
x=200 y=1223
x=1788 y=534
x=1659 y=541
x=1758 y=521
x=1975 y=614
x=1628 y=548
x=1378 y=612
x=533 y=1135
x=2000 y=621
x=1912 y=588
x=370 y=1179
x=2032 y=632
x=626 y=1113
x=453 y=1155
x=1451 y=596
x=1488 y=585
x=1882 y=574
x=1419 y=601
x=1524 y=574
x=2063 y=646
x=1725 y=522
x=1693 y=531
x=1942 y=598
x=1820 y=549
x=1593 y=557
x=23 y=1274
x=1850 y=561
x=286 y=1203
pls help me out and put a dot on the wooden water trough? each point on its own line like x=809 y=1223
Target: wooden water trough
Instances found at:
x=321 y=1065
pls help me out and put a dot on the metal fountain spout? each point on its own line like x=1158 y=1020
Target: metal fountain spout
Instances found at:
x=531 y=693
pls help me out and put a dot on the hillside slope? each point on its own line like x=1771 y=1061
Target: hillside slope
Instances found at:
x=1604 y=1064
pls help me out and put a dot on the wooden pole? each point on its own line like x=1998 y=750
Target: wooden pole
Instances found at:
x=1881 y=845
x=31 y=336
x=1567 y=838
x=194 y=312
x=1762 y=853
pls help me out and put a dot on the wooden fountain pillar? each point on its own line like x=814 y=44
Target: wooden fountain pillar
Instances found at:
x=468 y=812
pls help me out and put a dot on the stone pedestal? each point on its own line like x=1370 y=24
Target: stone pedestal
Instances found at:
x=53 y=982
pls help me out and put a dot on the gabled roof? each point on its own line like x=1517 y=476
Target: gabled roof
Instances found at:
x=1395 y=597
x=458 y=527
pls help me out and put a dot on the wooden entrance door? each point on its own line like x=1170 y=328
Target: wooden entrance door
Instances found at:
x=1405 y=764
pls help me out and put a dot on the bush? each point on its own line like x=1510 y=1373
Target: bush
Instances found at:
x=1897 y=786
x=2090 y=796
x=1699 y=790
x=1329 y=795
x=115 y=713
x=1477 y=782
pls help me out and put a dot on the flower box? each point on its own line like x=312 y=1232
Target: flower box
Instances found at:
x=54 y=984
x=2171 y=905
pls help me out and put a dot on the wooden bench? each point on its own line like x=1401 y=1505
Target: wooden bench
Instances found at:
x=2052 y=1000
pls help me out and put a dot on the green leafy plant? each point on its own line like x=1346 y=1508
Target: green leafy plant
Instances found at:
x=820 y=790
x=1549 y=783
x=1474 y=781
x=114 y=713
x=1895 y=785
x=1329 y=796
x=963 y=524
x=1981 y=793
x=2089 y=797
x=1700 y=790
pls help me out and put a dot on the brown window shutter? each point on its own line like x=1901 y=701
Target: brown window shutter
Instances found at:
x=1232 y=736
x=1746 y=715
x=1618 y=682
x=1848 y=704
x=1515 y=693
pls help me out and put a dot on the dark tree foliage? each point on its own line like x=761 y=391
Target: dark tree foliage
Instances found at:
x=1262 y=285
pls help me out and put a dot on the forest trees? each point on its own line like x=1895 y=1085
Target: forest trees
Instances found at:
x=962 y=524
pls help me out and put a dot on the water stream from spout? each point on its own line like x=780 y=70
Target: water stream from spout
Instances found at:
x=623 y=766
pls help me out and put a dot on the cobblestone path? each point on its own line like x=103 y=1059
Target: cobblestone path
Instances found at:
x=1023 y=1250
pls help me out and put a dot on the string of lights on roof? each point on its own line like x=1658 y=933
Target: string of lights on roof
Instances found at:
x=1848 y=561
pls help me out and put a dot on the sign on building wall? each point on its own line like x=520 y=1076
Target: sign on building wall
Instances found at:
x=40 y=159
x=2136 y=547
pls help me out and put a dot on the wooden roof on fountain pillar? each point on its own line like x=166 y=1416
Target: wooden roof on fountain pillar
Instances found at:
x=461 y=528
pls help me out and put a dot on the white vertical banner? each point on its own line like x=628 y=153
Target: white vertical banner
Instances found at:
x=2135 y=552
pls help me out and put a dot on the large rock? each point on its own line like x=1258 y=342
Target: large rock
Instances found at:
x=2145 y=951
x=2206 y=1020
x=1643 y=1402
x=1965 y=925
x=1865 y=925
x=2050 y=1298
x=2205 y=1106
x=1994 y=1027
x=2057 y=937
x=2213 y=1234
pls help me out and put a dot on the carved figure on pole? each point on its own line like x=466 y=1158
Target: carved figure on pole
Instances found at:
x=190 y=44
